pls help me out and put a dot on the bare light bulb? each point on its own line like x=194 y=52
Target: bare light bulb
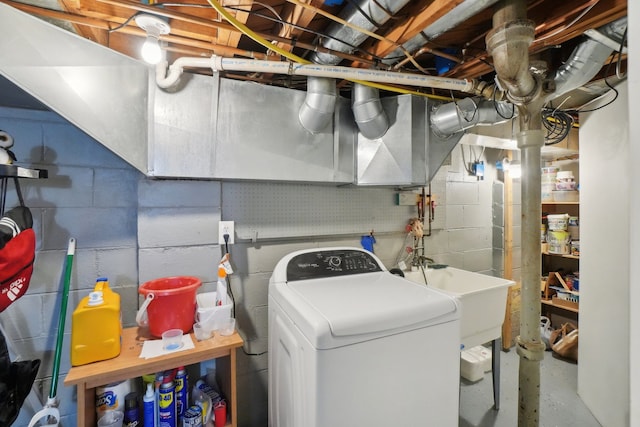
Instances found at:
x=154 y=27
x=151 y=51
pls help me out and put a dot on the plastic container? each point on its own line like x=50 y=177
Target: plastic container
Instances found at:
x=474 y=362
x=208 y=314
x=547 y=191
x=558 y=241
x=96 y=326
x=565 y=196
x=564 y=176
x=557 y=221
x=565 y=185
x=172 y=339
x=549 y=175
x=170 y=304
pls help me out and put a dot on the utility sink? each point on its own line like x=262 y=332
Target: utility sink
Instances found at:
x=483 y=300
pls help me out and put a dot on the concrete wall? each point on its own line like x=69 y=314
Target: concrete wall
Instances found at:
x=132 y=229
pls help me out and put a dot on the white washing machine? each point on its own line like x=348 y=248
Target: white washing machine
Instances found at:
x=351 y=344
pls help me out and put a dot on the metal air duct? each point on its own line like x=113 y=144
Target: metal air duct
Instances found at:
x=368 y=112
x=588 y=58
x=459 y=14
x=317 y=110
x=343 y=38
x=457 y=116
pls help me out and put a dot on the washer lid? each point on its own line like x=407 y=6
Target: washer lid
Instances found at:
x=371 y=303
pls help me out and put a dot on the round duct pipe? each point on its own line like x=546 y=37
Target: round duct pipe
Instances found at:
x=317 y=110
x=453 y=117
x=368 y=112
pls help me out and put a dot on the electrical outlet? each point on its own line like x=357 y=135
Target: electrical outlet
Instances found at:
x=226 y=227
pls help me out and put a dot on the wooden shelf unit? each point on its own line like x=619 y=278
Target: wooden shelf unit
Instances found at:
x=573 y=209
x=129 y=365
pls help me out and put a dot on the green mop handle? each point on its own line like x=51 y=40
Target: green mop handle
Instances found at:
x=63 y=314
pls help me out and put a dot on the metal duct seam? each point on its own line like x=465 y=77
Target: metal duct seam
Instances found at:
x=368 y=112
x=317 y=110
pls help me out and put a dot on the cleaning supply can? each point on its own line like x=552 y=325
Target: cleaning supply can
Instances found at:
x=182 y=387
x=167 y=407
x=96 y=326
x=131 y=410
x=192 y=417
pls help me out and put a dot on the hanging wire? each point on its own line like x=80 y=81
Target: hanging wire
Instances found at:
x=495 y=105
x=125 y=23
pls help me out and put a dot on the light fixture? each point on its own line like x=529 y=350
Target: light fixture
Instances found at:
x=154 y=27
x=513 y=167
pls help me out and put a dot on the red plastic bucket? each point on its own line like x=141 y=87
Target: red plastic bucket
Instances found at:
x=170 y=303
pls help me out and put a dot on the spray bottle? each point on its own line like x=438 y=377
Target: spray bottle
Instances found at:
x=149 y=406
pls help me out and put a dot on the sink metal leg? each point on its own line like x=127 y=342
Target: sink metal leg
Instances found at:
x=496 y=345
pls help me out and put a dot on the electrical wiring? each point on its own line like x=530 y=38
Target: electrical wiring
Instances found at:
x=557 y=123
x=233 y=300
x=570 y=24
x=350 y=25
x=125 y=23
x=308 y=30
x=258 y=39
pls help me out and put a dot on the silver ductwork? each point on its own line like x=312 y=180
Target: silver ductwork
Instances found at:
x=370 y=117
x=378 y=11
x=316 y=113
x=459 y=14
x=88 y=84
x=588 y=58
x=466 y=113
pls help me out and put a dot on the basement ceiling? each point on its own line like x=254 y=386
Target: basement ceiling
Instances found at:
x=434 y=42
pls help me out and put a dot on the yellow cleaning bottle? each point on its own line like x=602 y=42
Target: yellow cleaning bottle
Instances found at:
x=96 y=326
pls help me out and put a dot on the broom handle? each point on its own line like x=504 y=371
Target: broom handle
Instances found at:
x=61 y=320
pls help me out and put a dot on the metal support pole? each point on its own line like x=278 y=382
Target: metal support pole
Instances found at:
x=529 y=344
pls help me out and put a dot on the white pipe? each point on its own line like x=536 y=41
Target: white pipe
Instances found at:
x=217 y=63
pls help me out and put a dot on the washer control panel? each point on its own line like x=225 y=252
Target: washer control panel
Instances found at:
x=331 y=263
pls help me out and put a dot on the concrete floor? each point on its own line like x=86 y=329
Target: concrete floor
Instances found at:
x=560 y=405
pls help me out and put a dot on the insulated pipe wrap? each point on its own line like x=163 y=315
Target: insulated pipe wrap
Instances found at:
x=317 y=110
x=368 y=112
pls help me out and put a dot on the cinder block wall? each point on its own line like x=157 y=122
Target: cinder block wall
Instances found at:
x=131 y=229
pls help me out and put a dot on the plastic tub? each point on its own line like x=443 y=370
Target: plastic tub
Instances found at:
x=170 y=303
x=564 y=176
x=565 y=185
x=557 y=222
x=546 y=191
x=565 y=196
